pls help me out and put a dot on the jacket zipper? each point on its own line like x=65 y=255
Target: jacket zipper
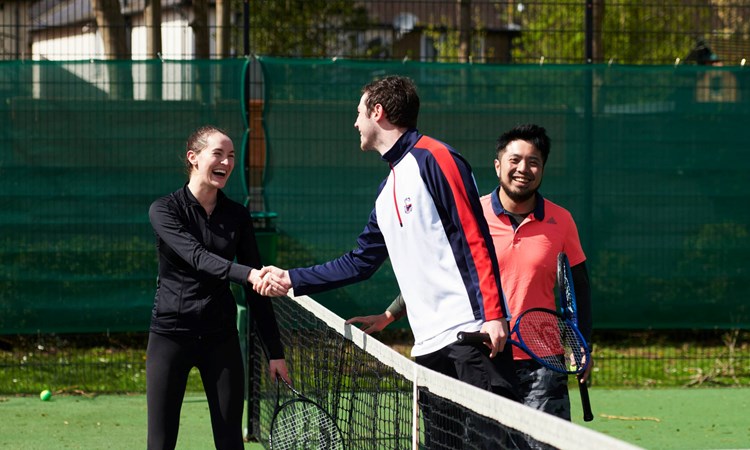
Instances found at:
x=395 y=203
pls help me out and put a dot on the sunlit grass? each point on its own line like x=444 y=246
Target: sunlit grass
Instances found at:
x=91 y=364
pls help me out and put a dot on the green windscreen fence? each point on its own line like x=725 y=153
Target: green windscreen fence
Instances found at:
x=84 y=150
x=651 y=161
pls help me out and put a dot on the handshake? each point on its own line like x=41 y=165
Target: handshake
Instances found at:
x=270 y=281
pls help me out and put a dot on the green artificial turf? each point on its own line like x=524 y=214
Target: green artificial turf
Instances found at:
x=679 y=419
x=101 y=422
x=658 y=419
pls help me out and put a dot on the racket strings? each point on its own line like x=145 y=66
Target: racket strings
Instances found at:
x=552 y=340
x=300 y=424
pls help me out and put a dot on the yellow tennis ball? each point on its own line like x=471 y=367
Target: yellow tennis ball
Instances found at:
x=45 y=395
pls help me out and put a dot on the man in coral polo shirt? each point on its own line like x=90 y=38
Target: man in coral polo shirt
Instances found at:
x=528 y=232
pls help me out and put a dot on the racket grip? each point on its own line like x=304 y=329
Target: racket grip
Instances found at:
x=583 y=388
x=467 y=337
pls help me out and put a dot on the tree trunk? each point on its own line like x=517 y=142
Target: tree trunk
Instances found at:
x=152 y=19
x=202 y=50
x=598 y=44
x=200 y=29
x=464 y=29
x=223 y=28
x=111 y=25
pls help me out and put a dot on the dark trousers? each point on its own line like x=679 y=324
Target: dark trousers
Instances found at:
x=169 y=360
x=471 y=363
x=543 y=389
x=447 y=427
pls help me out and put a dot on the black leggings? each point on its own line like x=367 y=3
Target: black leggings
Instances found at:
x=169 y=360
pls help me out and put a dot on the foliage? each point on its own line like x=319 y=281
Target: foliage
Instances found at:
x=627 y=41
x=548 y=29
x=76 y=364
x=633 y=32
x=306 y=28
x=86 y=364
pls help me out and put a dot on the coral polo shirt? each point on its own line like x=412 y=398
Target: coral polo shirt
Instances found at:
x=527 y=253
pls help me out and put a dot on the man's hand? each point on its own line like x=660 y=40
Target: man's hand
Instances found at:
x=498 y=331
x=277 y=367
x=373 y=324
x=272 y=281
x=585 y=376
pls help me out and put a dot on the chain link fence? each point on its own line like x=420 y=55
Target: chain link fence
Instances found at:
x=478 y=31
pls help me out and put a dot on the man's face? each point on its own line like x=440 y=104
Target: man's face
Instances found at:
x=366 y=126
x=520 y=170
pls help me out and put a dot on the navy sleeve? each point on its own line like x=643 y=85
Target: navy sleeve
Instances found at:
x=583 y=299
x=356 y=265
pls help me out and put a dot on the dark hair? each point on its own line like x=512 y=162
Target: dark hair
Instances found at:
x=198 y=140
x=533 y=134
x=398 y=96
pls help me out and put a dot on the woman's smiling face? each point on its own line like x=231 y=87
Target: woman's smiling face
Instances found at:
x=215 y=162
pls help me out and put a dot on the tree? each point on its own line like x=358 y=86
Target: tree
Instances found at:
x=306 y=28
x=463 y=12
x=633 y=32
x=152 y=21
x=111 y=25
x=223 y=28
x=199 y=24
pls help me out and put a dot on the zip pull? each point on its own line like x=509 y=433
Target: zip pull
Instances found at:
x=395 y=203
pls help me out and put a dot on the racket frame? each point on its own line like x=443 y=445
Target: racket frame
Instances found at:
x=478 y=338
x=298 y=397
x=569 y=308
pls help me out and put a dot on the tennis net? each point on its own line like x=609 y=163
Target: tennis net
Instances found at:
x=382 y=400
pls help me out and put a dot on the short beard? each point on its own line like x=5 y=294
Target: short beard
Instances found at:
x=519 y=197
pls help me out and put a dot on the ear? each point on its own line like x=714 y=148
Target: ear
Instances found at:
x=497 y=168
x=192 y=157
x=377 y=112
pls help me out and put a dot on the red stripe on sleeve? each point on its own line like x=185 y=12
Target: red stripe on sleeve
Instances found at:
x=477 y=245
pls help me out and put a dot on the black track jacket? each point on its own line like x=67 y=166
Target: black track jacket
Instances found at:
x=196 y=264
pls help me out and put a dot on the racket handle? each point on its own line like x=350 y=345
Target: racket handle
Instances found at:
x=467 y=337
x=583 y=389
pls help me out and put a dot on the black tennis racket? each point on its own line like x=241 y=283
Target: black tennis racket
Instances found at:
x=300 y=423
x=569 y=309
x=546 y=336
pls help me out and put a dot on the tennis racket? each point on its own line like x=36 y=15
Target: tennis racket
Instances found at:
x=546 y=336
x=569 y=310
x=300 y=423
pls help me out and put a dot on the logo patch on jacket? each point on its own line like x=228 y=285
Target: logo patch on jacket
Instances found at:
x=408 y=207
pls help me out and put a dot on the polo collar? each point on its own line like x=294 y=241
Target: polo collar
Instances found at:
x=498 y=209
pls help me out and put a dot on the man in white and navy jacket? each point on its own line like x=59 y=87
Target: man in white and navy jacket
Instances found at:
x=428 y=220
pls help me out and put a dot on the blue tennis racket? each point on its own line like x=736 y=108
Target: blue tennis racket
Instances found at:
x=545 y=335
x=569 y=310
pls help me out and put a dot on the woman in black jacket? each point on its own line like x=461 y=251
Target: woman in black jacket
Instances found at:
x=200 y=233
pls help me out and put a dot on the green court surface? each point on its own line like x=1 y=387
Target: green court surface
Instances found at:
x=654 y=419
x=679 y=419
x=102 y=422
